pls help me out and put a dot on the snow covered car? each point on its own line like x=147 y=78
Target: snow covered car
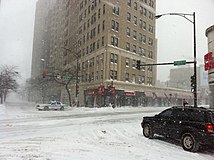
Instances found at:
x=53 y=105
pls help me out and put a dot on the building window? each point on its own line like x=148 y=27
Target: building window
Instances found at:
x=129 y=3
x=99 y=14
x=89 y=9
x=128 y=31
x=150 y=42
x=140 y=51
x=135 y=20
x=140 y=37
x=151 y=16
x=144 y=25
x=143 y=67
x=115 y=25
x=127 y=46
x=116 y=9
x=103 y=25
x=129 y=17
x=127 y=77
x=134 y=48
x=150 y=54
x=135 y=6
x=114 y=41
x=104 y=9
x=134 y=34
x=133 y=78
x=134 y=63
x=144 y=11
x=103 y=41
x=140 y=79
x=98 y=29
x=114 y=58
x=101 y=74
x=144 y=38
x=127 y=62
x=150 y=28
x=143 y=79
x=88 y=23
x=149 y=80
x=150 y=68
x=141 y=23
x=113 y=75
x=97 y=59
x=98 y=44
x=96 y=76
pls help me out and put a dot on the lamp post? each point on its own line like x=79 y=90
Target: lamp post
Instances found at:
x=184 y=15
x=43 y=90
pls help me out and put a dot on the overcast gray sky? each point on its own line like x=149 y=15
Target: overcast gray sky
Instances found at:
x=174 y=33
x=16 y=34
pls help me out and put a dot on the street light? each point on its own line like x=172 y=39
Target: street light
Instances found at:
x=194 y=41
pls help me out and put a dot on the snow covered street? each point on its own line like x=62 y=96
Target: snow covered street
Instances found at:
x=83 y=133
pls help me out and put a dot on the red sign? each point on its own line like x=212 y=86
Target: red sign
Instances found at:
x=129 y=93
x=101 y=90
x=208 y=61
x=207 y=57
x=113 y=91
x=209 y=65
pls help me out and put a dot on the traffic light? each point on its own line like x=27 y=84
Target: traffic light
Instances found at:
x=44 y=74
x=138 y=65
x=193 y=83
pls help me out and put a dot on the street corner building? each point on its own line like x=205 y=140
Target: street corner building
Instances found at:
x=102 y=42
x=209 y=62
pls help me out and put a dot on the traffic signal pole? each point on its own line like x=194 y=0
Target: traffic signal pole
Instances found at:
x=177 y=63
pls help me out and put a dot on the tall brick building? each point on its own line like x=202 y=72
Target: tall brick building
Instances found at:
x=102 y=40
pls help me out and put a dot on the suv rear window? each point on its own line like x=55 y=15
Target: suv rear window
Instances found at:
x=197 y=115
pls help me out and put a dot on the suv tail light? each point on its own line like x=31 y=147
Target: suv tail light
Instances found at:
x=209 y=128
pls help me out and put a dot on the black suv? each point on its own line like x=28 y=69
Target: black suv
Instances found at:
x=193 y=126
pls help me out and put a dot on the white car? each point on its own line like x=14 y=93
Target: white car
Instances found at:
x=53 y=105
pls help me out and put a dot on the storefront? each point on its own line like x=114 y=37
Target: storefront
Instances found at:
x=161 y=99
x=149 y=99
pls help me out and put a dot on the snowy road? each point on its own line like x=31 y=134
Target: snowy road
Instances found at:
x=83 y=133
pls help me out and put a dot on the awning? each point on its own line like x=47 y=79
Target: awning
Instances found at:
x=149 y=94
x=180 y=96
x=160 y=95
x=129 y=93
x=170 y=95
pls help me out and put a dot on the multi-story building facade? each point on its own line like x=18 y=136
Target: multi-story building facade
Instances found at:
x=41 y=41
x=112 y=36
x=210 y=60
x=101 y=40
x=181 y=78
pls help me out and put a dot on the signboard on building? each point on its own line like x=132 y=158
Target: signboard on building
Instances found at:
x=208 y=61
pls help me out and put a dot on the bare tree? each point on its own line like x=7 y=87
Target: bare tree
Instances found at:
x=64 y=78
x=8 y=81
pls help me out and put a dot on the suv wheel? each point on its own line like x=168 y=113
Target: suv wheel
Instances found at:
x=62 y=108
x=147 y=131
x=189 y=142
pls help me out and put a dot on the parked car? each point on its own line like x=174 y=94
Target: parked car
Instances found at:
x=53 y=105
x=193 y=126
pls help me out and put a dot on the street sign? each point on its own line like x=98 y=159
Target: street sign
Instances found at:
x=67 y=78
x=181 y=62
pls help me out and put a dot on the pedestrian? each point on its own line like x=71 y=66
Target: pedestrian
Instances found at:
x=184 y=102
